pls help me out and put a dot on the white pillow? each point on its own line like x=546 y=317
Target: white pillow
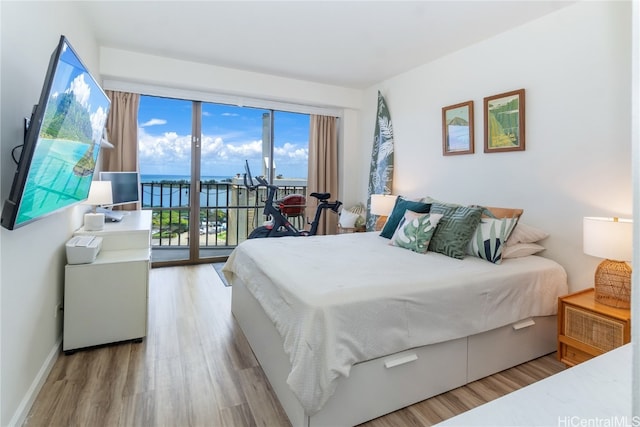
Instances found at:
x=525 y=234
x=348 y=219
x=521 y=249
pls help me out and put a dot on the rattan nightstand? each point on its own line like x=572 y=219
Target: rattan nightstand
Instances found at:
x=587 y=328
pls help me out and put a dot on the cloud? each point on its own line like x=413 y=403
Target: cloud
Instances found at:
x=98 y=119
x=81 y=90
x=153 y=122
x=170 y=153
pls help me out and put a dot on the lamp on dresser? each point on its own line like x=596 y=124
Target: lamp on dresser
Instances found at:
x=612 y=239
x=382 y=205
x=100 y=193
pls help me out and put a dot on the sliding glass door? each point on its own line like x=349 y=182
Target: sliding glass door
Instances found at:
x=192 y=162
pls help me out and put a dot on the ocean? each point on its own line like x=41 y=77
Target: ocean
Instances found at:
x=145 y=178
x=178 y=195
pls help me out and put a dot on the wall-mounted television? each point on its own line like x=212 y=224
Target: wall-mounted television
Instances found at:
x=61 y=144
x=125 y=186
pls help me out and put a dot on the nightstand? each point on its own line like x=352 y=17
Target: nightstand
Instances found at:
x=344 y=230
x=587 y=328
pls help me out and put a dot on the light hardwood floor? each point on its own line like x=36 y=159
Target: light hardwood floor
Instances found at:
x=195 y=368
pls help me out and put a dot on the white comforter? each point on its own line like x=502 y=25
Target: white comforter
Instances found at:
x=340 y=300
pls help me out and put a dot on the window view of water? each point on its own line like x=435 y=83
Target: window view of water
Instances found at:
x=274 y=143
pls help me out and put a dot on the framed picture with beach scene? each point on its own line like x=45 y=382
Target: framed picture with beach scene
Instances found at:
x=504 y=122
x=457 y=129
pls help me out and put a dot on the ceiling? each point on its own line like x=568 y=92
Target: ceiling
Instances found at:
x=353 y=44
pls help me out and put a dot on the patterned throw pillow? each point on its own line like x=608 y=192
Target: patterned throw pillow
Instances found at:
x=398 y=212
x=489 y=238
x=415 y=231
x=454 y=229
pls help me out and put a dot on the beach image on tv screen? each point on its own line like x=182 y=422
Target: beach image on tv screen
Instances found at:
x=65 y=155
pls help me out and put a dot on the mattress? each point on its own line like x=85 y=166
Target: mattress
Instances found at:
x=340 y=300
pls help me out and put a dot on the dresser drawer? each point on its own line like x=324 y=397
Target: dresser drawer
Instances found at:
x=592 y=328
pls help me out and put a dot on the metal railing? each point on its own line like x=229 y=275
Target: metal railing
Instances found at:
x=228 y=212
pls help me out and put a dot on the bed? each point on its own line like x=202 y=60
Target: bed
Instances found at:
x=357 y=328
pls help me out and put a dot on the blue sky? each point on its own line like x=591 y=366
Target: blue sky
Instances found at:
x=231 y=134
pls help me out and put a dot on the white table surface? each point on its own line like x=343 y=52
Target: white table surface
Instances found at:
x=594 y=393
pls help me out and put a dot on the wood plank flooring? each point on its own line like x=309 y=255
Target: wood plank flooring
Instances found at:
x=195 y=368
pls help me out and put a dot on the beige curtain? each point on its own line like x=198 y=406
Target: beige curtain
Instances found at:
x=122 y=131
x=323 y=168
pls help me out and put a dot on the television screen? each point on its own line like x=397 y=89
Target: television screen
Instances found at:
x=124 y=185
x=62 y=142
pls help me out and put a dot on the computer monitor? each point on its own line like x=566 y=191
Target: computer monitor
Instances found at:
x=124 y=185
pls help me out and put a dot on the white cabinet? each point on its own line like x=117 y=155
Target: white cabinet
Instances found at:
x=107 y=301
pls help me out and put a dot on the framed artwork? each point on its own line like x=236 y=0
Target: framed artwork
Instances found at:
x=504 y=122
x=457 y=129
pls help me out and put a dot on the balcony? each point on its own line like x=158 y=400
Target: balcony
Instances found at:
x=228 y=214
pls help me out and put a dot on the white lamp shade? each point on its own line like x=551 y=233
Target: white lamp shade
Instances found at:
x=382 y=204
x=100 y=193
x=609 y=238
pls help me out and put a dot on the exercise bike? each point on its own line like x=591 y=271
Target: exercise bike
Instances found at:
x=280 y=225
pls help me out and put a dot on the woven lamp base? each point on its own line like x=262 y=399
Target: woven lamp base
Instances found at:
x=613 y=284
x=380 y=223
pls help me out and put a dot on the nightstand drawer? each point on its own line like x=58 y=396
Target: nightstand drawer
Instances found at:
x=593 y=329
x=571 y=355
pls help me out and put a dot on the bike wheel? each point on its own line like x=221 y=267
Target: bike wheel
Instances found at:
x=259 y=233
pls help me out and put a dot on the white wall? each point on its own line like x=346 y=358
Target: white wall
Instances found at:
x=575 y=67
x=33 y=258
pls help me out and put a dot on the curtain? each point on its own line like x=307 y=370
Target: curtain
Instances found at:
x=122 y=132
x=323 y=168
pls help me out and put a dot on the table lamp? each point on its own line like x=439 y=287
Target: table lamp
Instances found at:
x=382 y=205
x=612 y=239
x=100 y=193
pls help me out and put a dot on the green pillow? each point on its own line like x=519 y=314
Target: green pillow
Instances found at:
x=415 y=231
x=398 y=213
x=455 y=228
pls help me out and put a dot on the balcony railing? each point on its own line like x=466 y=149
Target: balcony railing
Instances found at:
x=228 y=211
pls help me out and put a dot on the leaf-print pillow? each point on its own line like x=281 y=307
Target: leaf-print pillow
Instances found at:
x=489 y=238
x=415 y=231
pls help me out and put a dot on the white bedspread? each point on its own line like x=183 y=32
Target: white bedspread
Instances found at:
x=340 y=300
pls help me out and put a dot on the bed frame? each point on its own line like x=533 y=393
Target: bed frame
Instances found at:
x=379 y=386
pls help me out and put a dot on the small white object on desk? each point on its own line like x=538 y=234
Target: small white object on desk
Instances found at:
x=83 y=249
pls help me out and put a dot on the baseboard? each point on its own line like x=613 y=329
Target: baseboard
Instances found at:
x=21 y=413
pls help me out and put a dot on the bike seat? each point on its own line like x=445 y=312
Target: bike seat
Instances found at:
x=321 y=196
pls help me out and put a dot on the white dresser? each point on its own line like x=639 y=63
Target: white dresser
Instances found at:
x=107 y=301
